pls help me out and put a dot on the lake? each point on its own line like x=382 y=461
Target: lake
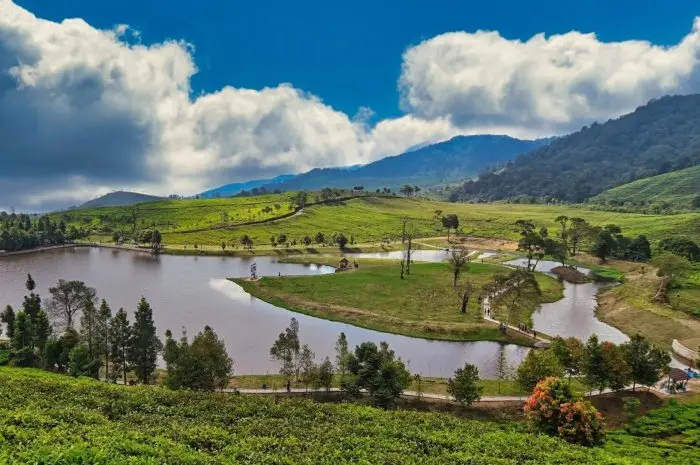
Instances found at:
x=190 y=292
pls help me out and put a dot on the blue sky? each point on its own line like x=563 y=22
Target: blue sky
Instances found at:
x=88 y=106
x=349 y=54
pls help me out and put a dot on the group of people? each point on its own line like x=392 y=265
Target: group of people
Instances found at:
x=526 y=329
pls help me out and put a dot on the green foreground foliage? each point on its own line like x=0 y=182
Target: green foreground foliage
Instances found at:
x=46 y=418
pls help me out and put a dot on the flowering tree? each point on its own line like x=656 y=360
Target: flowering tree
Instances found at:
x=553 y=409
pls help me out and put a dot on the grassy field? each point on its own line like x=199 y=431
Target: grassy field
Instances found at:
x=677 y=189
x=427 y=385
x=54 y=419
x=367 y=219
x=629 y=307
x=424 y=304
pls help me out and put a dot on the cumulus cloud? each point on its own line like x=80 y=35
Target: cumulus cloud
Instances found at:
x=542 y=85
x=84 y=110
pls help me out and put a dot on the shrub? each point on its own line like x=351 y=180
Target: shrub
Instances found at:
x=552 y=409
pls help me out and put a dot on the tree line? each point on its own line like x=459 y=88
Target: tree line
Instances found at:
x=21 y=232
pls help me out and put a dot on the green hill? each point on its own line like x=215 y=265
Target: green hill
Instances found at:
x=367 y=219
x=677 y=190
x=53 y=419
x=659 y=137
x=119 y=198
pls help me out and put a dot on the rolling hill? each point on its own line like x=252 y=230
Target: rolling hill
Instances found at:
x=446 y=162
x=657 y=138
x=118 y=199
x=678 y=189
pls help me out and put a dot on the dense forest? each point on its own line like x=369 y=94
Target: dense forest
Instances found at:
x=657 y=138
x=20 y=232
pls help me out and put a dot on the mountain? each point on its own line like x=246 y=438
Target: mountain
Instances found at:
x=232 y=189
x=659 y=137
x=118 y=199
x=677 y=189
x=451 y=161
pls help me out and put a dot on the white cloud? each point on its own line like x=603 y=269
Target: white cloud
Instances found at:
x=83 y=110
x=546 y=85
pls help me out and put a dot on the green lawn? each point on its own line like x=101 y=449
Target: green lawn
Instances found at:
x=424 y=304
x=53 y=419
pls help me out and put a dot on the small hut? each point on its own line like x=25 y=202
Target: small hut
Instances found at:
x=678 y=379
x=343 y=264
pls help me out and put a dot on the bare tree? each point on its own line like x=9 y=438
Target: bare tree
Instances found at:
x=68 y=298
x=407 y=238
x=459 y=261
x=464 y=292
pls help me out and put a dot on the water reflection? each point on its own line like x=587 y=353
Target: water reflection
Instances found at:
x=191 y=292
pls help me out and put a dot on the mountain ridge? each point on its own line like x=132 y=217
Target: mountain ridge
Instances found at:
x=659 y=137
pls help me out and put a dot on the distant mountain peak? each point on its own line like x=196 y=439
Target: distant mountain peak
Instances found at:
x=118 y=199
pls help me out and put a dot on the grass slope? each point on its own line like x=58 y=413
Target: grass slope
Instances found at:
x=677 y=188
x=424 y=304
x=367 y=219
x=371 y=219
x=52 y=419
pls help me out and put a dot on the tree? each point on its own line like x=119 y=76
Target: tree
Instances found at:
x=30 y=284
x=341 y=240
x=459 y=261
x=223 y=246
x=604 y=245
x=89 y=332
x=246 y=242
x=120 y=335
x=569 y=352
x=646 y=361
x=41 y=329
x=615 y=368
x=22 y=341
x=342 y=358
x=464 y=293
x=307 y=367
x=306 y=240
x=103 y=350
x=681 y=246
x=553 y=409
x=57 y=352
x=68 y=298
x=320 y=238
x=8 y=317
x=134 y=211
x=464 y=385
x=377 y=370
x=504 y=371
x=639 y=249
x=538 y=365
x=406 y=190
x=282 y=239
x=577 y=232
x=286 y=350
x=532 y=242
x=593 y=367
x=81 y=363
x=144 y=344
x=695 y=203
x=324 y=375
x=203 y=365
x=671 y=265
x=156 y=240
x=450 y=221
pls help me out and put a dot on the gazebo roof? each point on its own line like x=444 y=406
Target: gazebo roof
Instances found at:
x=344 y=260
x=676 y=374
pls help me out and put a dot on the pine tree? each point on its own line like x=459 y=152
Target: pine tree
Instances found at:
x=88 y=328
x=120 y=335
x=23 y=341
x=104 y=315
x=8 y=317
x=41 y=332
x=144 y=344
x=342 y=357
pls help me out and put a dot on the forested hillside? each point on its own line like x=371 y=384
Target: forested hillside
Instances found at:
x=660 y=137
